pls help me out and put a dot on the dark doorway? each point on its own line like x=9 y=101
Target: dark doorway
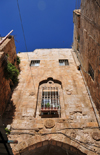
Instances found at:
x=53 y=150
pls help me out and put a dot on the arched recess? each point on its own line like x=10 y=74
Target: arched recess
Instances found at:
x=50 y=79
x=48 y=98
x=51 y=147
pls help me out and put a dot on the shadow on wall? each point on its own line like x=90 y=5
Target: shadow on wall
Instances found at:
x=11 y=72
x=9 y=113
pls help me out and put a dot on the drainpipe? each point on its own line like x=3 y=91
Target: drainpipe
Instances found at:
x=5 y=37
x=13 y=141
x=93 y=105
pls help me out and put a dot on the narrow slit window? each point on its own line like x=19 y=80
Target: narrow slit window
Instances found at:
x=91 y=71
x=35 y=63
x=63 y=62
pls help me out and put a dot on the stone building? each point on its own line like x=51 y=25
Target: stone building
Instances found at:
x=51 y=110
x=87 y=45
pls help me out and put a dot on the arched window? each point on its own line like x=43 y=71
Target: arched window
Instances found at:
x=49 y=98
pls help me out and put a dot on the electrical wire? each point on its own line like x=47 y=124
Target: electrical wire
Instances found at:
x=64 y=101
x=98 y=27
x=77 y=5
x=81 y=63
x=80 y=136
x=97 y=3
x=32 y=134
x=57 y=130
x=31 y=73
x=32 y=76
x=91 y=22
x=22 y=25
x=73 y=139
x=25 y=43
x=87 y=88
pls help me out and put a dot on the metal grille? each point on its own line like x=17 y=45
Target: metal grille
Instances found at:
x=63 y=62
x=91 y=71
x=50 y=99
x=35 y=63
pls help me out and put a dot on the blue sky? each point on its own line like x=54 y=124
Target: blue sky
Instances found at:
x=47 y=23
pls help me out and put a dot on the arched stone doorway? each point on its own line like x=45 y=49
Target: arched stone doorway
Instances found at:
x=52 y=149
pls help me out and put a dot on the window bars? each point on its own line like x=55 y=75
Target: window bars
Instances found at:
x=63 y=62
x=50 y=100
x=35 y=63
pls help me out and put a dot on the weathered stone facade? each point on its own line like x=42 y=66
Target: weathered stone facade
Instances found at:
x=7 y=52
x=75 y=132
x=89 y=50
x=76 y=35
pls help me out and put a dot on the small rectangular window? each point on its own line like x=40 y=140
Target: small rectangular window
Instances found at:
x=91 y=71
x=63 y=62
x=35 y=63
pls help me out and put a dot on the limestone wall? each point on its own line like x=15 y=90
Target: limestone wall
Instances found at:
x=76 y=37
x=77 y=122
x=7 y=52
x=90 y=46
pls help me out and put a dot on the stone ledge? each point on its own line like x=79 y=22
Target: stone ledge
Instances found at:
x=39 y=141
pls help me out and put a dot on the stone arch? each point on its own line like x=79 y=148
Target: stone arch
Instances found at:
x=55 y=83
x=50 y=79
x=38 y=144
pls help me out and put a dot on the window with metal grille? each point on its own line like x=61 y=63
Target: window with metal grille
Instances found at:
x=91 y=71
x=63 y=62
x=50 y=103
x=35 y=63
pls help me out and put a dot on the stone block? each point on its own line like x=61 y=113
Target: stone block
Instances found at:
x=74 y=150
x=32 y=147
x=92 y=124
x=45 y=143
x=65 y=146
x=39 y=144
x=54 y=142
x=59 y=144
